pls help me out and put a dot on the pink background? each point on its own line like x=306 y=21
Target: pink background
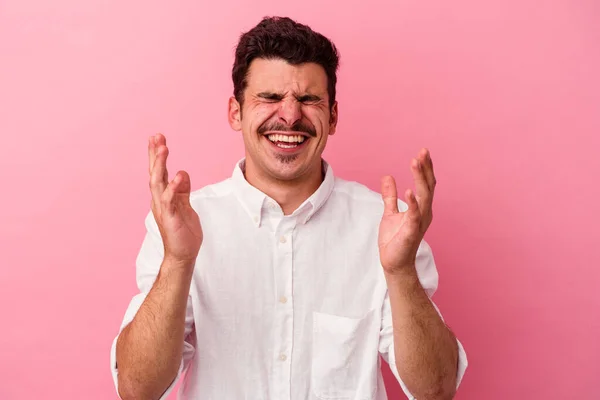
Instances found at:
x=506 y=94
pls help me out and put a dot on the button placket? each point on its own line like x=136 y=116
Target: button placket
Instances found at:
x=283 y=350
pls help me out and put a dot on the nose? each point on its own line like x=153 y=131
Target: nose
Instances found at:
x=290 y=111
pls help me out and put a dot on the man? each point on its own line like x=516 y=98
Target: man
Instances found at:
x=284 y=281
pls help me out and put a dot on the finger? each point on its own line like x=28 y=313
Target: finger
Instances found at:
x=177 y=193
x=427 y=163
x=184 y=184
x=168 y=198
x=423 y=194
x=414 y=211
x=151 y=153
x=159 y=176
x=155 y=141
x=160 y=139
x=389 y=194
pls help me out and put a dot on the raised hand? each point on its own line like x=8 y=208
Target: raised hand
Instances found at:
x=178 y=223
x=400 y=233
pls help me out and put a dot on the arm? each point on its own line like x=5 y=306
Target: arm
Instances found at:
x=425 y=350
x=150 y=347
x=159 y=324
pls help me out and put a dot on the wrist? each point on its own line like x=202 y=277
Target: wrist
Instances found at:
x=402 y=271
x=406 y=275
x=183 y=268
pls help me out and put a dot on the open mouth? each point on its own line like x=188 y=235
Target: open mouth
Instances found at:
x=287 y=142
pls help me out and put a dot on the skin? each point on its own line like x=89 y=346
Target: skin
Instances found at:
x=426 y=352
x=144 y=372
x=290 y=99
x=281 y=94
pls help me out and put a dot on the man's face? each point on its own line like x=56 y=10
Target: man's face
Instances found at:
x=285 y=118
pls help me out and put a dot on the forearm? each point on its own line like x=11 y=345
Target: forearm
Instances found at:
x=150 y=348
x=426 y=353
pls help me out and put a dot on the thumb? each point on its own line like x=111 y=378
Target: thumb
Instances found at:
x=389 y=194
x=182 y=183
x=181 y=189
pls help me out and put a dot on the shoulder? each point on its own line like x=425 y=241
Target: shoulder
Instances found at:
x=211 y=191
x=358 y=195
x=200 y=199
x=365 y=206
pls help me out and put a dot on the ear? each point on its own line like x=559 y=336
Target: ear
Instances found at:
x=333 y=118
x=234 y=114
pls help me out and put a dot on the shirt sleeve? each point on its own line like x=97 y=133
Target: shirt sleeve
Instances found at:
x=428 y=276
x=148 y=264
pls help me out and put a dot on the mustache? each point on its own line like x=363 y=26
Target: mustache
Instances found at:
x=299 y=126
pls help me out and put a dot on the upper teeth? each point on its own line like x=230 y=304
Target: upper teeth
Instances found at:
x=286 y=138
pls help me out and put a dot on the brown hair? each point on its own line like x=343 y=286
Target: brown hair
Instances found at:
x=286 y=39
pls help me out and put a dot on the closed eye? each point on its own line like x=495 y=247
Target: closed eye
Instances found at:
x=308 y=99
x=270 y=97
x=275 y=97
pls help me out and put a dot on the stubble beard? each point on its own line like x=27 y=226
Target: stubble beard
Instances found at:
x=286 y=158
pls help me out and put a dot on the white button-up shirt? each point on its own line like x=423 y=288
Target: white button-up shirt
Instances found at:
x=284 y=307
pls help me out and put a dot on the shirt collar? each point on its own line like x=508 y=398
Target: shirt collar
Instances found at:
x=252 y=199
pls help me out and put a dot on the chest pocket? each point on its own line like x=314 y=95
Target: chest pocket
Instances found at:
x=344 y=356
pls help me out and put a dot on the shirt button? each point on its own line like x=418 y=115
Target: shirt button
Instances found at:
x=282 y=239
x=283 y=357
x=256 y=219
x=283 y=299
x=272 y=205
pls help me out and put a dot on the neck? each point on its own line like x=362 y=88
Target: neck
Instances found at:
x=289 y=194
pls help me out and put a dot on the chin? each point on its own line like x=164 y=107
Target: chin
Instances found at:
x=289 y=168
x=286 y=170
